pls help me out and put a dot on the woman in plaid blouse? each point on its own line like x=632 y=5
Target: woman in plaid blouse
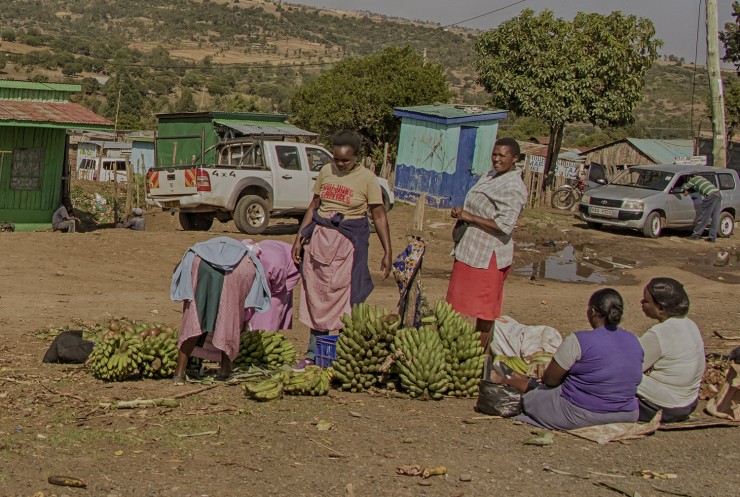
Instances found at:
x=484 y=254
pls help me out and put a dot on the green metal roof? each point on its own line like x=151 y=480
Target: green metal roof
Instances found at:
x=236 y=117
x=663 y=151
x=449 y=114
x=450 y=111
x=30 y=85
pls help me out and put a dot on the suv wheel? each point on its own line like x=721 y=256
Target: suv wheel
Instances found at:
x=726 y=224
x=252 y=215
x=653 y=225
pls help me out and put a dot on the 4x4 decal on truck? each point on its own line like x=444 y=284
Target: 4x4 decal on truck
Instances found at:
x=223 y=173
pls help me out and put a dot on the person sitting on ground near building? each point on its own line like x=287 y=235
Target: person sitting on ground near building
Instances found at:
x=673 y=365
x=216 y=280
x=592 y=378
x=282 y=277
x=134 y=221
x=64 y=219
x=711 y=205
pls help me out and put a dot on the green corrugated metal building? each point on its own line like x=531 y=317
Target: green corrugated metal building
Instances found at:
x=34 y=169
x=443 y=150
x=178 y=134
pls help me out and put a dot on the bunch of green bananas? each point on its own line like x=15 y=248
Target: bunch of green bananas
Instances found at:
x=421 y=362
x=516 y=363
x=464 y=356
x=269 y=348
x=269 y=389
x=116 y=358
x=363 y=345
x=313 y=381
x=159 y=356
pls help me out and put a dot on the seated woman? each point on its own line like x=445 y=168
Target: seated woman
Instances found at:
x=592 y=378
x=674 y=354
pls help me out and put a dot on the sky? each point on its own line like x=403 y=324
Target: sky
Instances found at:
x=675 y=20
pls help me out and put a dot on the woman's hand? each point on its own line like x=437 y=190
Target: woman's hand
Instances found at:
x=386 y=264
x=296 y=250
x=461 y=214
x=377 y=211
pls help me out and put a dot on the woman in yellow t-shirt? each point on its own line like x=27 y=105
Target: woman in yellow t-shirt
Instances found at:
x=333 y=241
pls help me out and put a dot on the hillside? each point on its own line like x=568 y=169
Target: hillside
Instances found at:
x=251 y=54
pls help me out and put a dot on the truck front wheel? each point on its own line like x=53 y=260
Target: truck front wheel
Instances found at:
x=194 y=221
x=252 y=215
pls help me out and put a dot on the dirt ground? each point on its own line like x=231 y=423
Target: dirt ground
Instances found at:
x=50 y=423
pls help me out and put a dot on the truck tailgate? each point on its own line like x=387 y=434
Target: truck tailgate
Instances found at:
x=172 y=181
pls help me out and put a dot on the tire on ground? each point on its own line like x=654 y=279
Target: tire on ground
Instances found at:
x=726 y=225
x=653 y=225
x=195 y=221
x=252 y=214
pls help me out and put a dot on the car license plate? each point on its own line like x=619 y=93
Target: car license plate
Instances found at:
x=600 y=211
x=169 y=204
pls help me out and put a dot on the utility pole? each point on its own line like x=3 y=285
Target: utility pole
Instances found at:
x=719 y=143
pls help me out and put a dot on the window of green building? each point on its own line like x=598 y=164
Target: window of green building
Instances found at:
x=26 y=169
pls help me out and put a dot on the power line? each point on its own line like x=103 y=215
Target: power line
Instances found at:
x=484 y=15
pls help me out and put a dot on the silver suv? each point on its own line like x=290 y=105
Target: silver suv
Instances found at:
x=650 y=198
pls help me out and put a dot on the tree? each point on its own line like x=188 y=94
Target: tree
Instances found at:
x=361 y=93
x=589 y=70
x=186 y=102
x=731 y=38
x=732 y=105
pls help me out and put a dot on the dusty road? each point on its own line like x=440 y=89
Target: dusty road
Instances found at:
x=50 y=424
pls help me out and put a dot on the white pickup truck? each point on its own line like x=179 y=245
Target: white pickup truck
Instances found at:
x=252 y=181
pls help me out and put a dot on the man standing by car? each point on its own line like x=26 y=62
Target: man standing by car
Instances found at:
x=710 y=206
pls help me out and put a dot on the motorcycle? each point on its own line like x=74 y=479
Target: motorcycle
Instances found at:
x=566 y=196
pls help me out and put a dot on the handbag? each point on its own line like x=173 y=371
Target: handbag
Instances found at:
x=459 y=230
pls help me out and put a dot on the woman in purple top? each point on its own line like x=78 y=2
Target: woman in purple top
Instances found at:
x=592 y=378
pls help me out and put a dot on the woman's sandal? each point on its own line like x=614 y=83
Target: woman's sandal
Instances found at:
x=179 y=380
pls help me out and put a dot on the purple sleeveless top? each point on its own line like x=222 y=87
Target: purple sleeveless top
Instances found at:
x=606 y=376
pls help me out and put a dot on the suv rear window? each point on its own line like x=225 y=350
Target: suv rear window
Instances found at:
x=726 y=181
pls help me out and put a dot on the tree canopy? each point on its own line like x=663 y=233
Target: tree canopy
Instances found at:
x=361 y=93
x=731 y=37
x=590 y=69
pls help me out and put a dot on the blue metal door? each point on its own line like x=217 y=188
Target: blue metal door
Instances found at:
x=463 y=177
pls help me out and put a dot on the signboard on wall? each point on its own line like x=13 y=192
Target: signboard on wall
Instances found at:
x=691 y=160
x=566 y=168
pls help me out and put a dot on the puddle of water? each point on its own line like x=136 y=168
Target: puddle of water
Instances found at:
x=566 y=266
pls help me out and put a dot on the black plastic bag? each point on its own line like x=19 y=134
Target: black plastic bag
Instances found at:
x=69 y=347
x=495 y=399
x=459 y=230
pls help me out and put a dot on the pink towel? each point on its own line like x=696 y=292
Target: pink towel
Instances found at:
x=225 y=337
x=327 y=274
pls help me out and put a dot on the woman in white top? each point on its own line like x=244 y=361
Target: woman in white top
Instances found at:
x=673 y=364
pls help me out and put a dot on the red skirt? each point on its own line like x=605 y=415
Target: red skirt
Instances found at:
x=476 y=292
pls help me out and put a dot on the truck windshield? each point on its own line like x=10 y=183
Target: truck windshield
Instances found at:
x=644 y=178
